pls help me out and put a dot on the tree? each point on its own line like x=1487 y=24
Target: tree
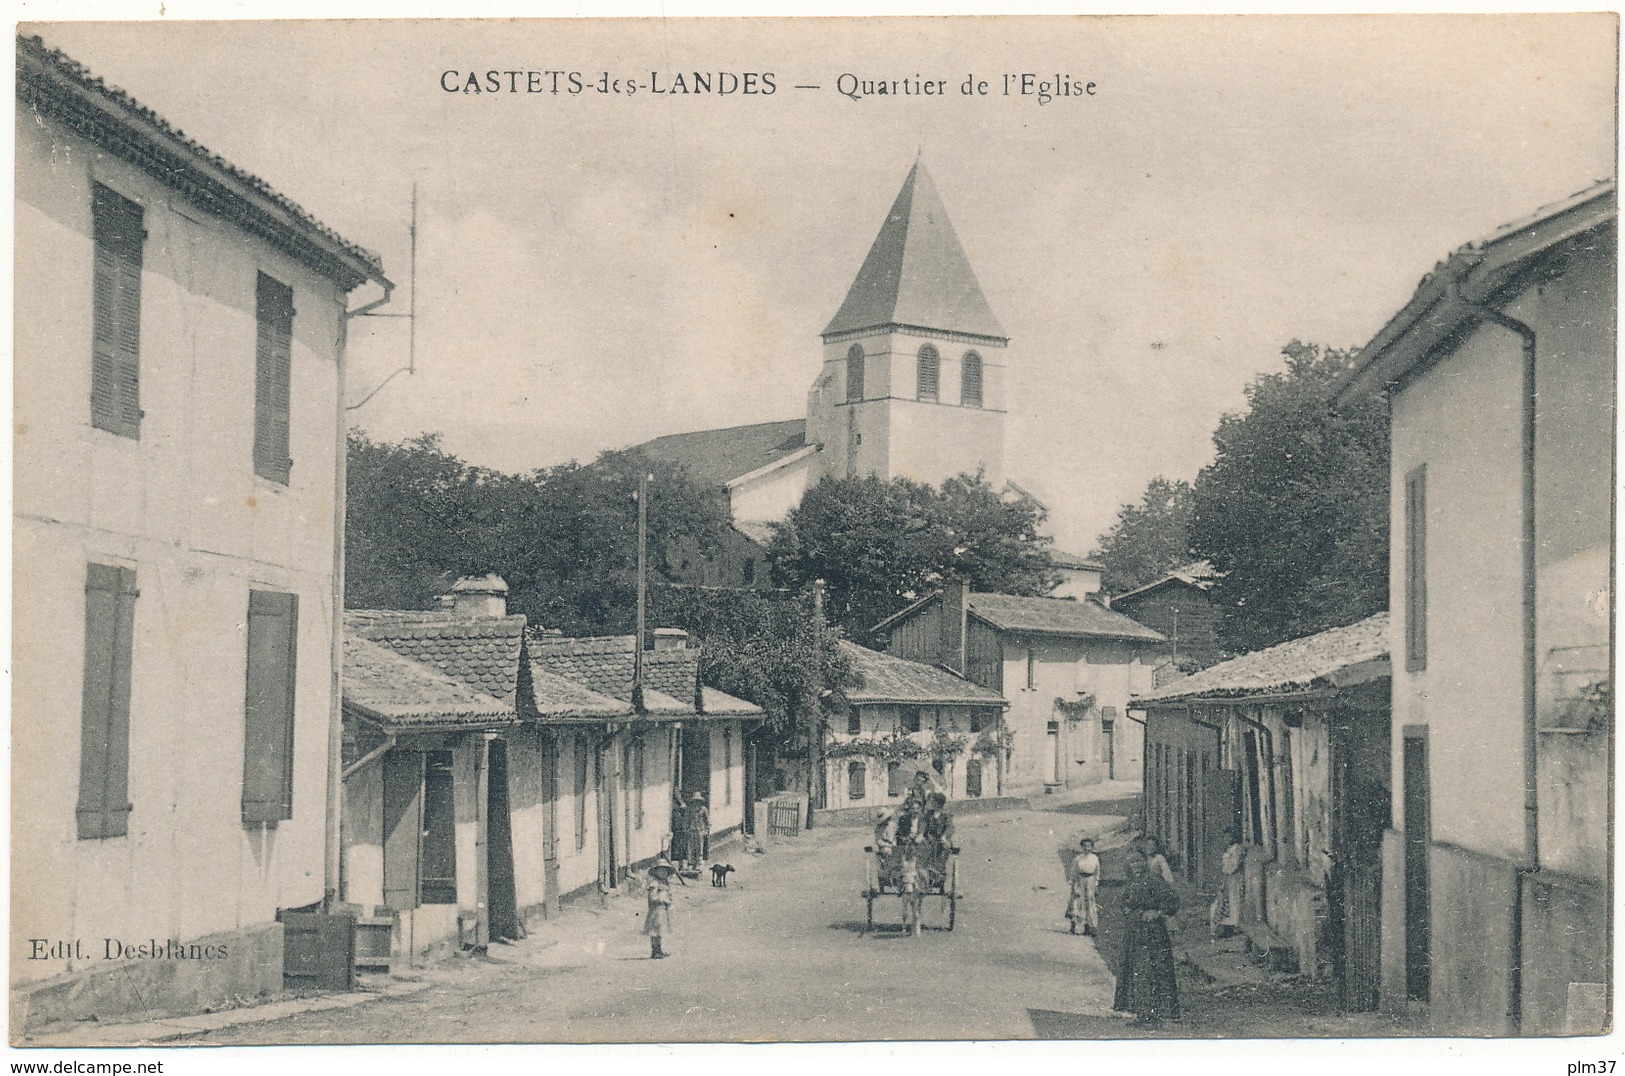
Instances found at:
x=1149 y=539
x=1293 y=511
x=880 y=544
x=564 y=538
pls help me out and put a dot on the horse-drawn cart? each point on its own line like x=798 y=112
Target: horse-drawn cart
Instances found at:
x=912 y=873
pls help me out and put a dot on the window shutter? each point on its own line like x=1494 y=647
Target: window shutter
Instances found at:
x=273 y=632
x=1416 y=583
x=856 y=782
x=970 y=380
x=403 y=827
x=104 y=742
x=115 y=376
x=273 y=359
x=928 y=374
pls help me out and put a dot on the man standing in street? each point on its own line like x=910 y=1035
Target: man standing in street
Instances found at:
x=699 y=826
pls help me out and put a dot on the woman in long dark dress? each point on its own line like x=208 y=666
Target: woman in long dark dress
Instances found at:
x=1145 y=985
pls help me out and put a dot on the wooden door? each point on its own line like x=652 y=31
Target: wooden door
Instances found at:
x=1418 y=925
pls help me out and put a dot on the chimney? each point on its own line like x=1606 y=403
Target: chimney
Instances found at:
x=670 y=639
x=951 y=619
x=480 y=599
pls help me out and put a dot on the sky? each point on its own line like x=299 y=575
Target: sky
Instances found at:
x=598 y=269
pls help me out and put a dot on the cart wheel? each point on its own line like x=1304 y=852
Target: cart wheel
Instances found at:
x=953 y=903
x=870 y=925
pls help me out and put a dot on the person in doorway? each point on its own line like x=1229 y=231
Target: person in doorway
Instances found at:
x=679 y=831
x=657 y=920
x=1146 y=985
x=1224 y=917
x=699 y=828
x=1082 y=909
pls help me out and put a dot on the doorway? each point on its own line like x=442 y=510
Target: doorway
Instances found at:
x=1418 y=959
x=1108 y=740
x=504 y=907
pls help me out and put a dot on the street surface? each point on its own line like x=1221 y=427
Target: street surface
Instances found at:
x=780 y=954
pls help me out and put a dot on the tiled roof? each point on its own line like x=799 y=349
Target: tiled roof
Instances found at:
x=52 y=82
x=482 y=652
x=916 y=273
x=1198 y=574
x=1057 y=616
x=559 y=699
x=604 y=664
x=1062 y=559
x=402 y=694
x=716 y=703
x=1296 y=665
x=886 y=678
x=716 y=457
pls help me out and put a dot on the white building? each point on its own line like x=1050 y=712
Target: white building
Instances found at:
x=179 y=333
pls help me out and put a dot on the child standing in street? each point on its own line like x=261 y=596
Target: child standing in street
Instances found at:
x=1082 y=910
x=657 y=922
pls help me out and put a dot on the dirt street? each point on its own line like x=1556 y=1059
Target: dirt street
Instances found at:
x=780 y=954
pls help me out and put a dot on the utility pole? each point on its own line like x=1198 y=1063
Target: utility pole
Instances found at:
x=815 y=726
x=643 y=587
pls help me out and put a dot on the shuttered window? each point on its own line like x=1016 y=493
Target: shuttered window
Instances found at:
x=970 y=380
x=973 y=778
x=894 y=779
x=115 y=365
x=273 y=359
x=273 y=632
x=104 y=738
x=856 y=781
x=854 y=373
x=1416 y=578
x=929 y=374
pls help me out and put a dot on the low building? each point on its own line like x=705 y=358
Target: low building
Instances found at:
x=621 y=778
x=1501 y=372
x=1285 y=748
x=904 y=716
x=1179 y=605
x=433 y=705
x=1080 y=576
x=178 y=382
x=1066 y=667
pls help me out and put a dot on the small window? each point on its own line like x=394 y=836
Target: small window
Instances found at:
x=856 y=778
x=970 y=380
x=115 y=363
x=854 y=723
x=273 y=634
x=894 y=779
x=104 y=723
x=273 y=371
x=909 y=718
x=1032 y=668
x=929 y=374
x=973 y=778
x=1416 y=575
x=854 y=374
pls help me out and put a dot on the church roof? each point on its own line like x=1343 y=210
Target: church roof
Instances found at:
x=916 y=273
x=716 y=457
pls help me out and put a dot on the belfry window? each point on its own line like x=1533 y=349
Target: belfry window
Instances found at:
x=929 y=374
x=970 y=380
x=854 y=374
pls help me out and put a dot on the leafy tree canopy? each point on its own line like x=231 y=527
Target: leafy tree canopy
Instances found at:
x=880 y=544
x=564 y=538
x=1149 y=539
x=1293 y=511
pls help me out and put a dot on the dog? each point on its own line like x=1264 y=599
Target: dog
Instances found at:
x=719 y=874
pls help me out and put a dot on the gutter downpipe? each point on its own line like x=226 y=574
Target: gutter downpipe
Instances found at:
x=332 y=859
x=1531 y=802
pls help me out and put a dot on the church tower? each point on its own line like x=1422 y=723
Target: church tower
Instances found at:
x=913 y=377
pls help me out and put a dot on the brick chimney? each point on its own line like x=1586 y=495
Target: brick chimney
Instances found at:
x=482 y=598
x=951 y=622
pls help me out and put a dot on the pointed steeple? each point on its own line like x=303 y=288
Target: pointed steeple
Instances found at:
x=916 y=273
